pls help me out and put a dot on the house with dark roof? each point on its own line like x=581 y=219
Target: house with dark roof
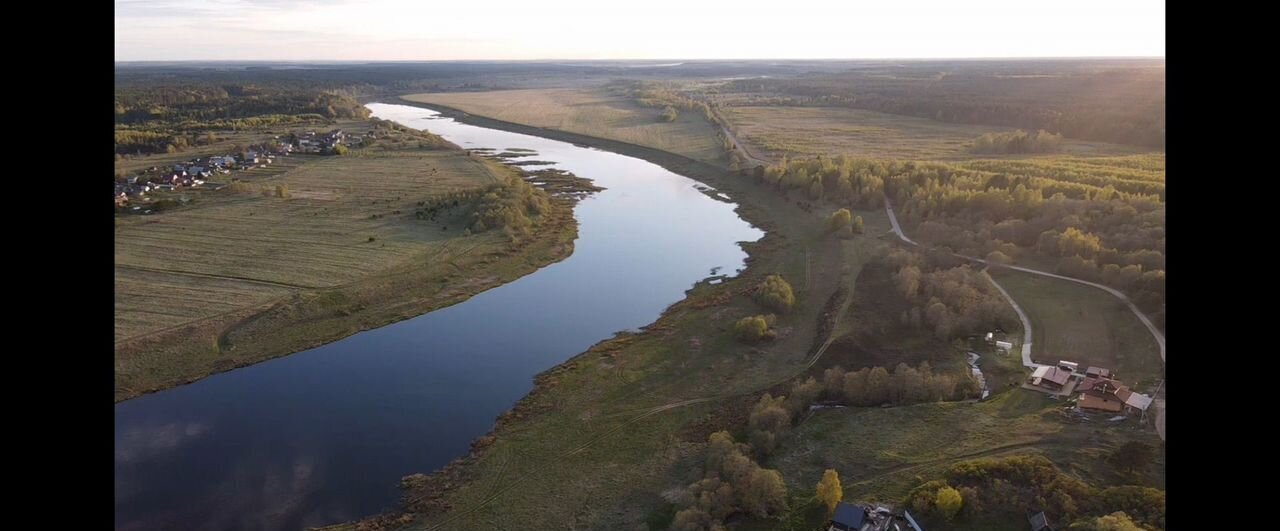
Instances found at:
x=1039 y=522
x=1097 y=372
x=848 y=517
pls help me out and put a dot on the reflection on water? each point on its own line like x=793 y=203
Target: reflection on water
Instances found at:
x=324 y=435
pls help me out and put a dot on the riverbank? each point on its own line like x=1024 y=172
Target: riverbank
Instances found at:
x=612 y=425
x=396 y=268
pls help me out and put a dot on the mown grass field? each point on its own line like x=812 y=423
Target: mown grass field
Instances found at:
x=1084 y=324
x=590 y=111
x=811 y=131
x=220 y=282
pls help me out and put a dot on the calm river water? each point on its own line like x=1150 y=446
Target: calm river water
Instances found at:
x=324 y=435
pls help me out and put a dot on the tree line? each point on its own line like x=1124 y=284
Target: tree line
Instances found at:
x=1019 y=141
x=1007 y=487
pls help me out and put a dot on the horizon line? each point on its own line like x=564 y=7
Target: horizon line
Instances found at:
x=966 y=58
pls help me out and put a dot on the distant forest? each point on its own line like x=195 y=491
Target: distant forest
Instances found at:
x=1111 y=101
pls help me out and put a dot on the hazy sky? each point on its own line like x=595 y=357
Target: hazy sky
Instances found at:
x=652 y=29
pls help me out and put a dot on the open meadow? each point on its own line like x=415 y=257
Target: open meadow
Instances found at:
x=774 y=131
x=1086 y=325
x=216 y=283
x=594 y=112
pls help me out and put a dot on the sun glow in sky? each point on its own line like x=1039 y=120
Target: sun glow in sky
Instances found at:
x=395 y=30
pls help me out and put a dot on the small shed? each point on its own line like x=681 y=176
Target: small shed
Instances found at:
x=1040 y=522
x=1004 y=345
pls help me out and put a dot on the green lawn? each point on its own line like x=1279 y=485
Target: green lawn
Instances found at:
x=1084 y=324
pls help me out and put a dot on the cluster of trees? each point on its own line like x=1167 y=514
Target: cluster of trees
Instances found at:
x=754 y=328
x=952 y=301
x=775 y=293
x=158 y=141
x=513 y=207
x=1114 y=102
x=844 y=223
x=1018 y=141
x=669 y=114
x=840 y=180
x=732 y=483
x=396 y=134
x=1094 y=232
x=1007 y=487
x=875 y=386
x=659 y=96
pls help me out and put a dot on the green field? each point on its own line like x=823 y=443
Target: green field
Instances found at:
x=882 y=453
x=811 y=131
x=603 y=435
x=594 y=112
x=238 y=276
x=1086 y=325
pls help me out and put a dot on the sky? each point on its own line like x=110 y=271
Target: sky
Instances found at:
x=409 y=30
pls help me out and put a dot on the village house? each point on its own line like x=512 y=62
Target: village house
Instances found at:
x=1049 y=378
x=854 y=517
x=1097 y=372
x=1105 y=395
x=1100 y=395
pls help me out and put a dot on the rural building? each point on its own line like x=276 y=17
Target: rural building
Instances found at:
x=1111 y=396
x=848 y=517
x=1098 y=372
x=853 y=517
x=1050 y=378
x=1069 y=366
x=1039 y=522
x=1004 y=345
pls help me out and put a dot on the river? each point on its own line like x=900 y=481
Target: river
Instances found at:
x=324 y=435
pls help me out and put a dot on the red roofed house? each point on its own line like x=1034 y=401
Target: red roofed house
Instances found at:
x=1110 y=396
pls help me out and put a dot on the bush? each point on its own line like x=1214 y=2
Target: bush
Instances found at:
x=948 y=502
x=840 y=221
x=669 y=114
x=753 y=328
x=775 y=293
